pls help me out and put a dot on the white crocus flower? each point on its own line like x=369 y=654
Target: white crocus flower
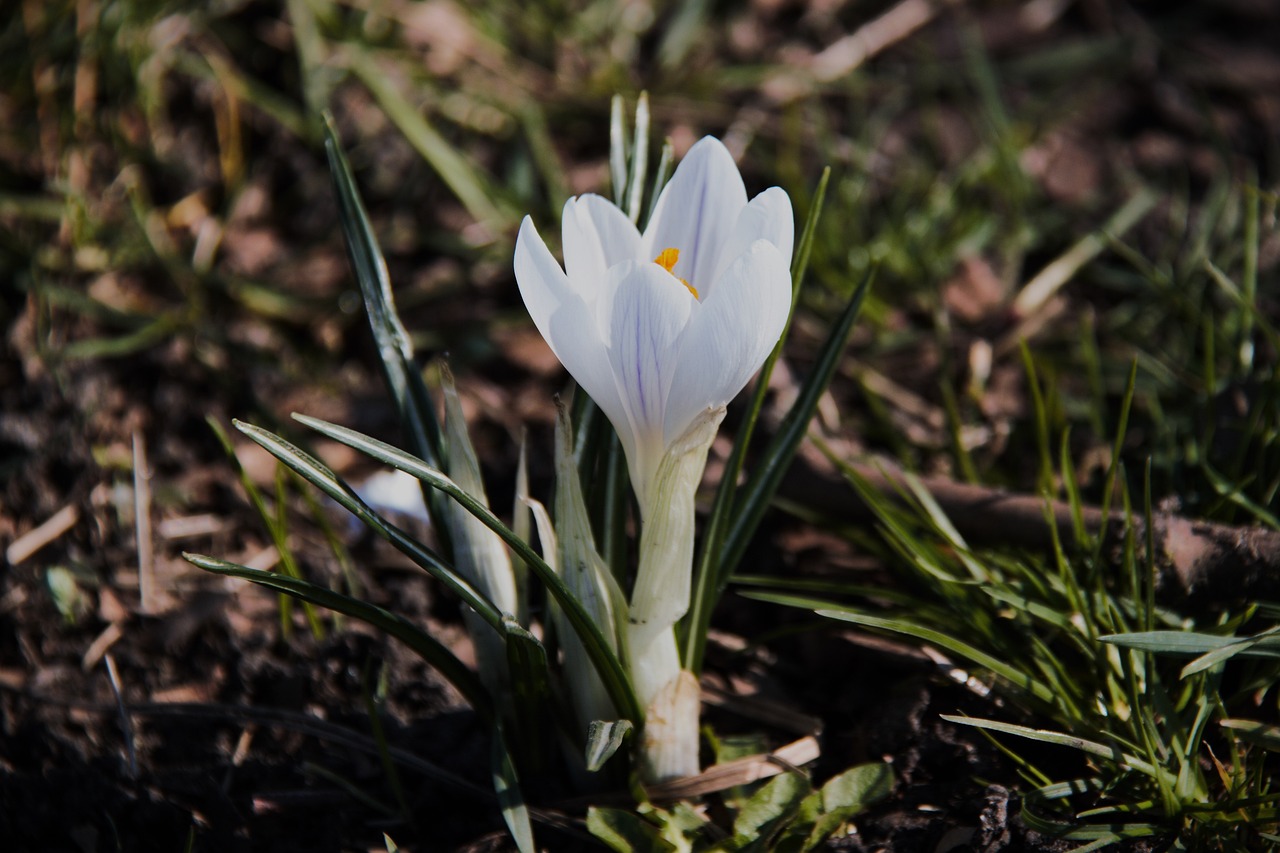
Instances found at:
x=660 y=326
x=663 y=329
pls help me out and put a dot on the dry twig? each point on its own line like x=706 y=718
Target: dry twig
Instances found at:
x=1201 y=562
x=48 y=531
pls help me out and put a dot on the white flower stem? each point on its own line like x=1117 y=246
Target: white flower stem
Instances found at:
x=661 y=596
x=671 y=699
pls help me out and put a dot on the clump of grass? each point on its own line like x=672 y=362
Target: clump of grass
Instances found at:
x=1078 y=644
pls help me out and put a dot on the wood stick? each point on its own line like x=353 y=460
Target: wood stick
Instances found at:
x=48 y=531
x=1200 y=563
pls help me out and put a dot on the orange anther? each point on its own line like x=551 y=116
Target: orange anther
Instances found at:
x=667 y=259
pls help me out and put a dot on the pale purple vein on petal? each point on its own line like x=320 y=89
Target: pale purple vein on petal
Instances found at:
x=697 y=210
x=729 y=335
x=647 y=311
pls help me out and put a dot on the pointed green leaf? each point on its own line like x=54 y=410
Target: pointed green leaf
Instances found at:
x=618 y=149
x=625 y=832
x=318 y=474
x=275 y=529
x=530 y=695
x=604 y=737
x=506 y=784
x=846 y=795
x=602 y=656
x=768 y=809
x=395 y=352
x=639 y=159
x=1193 y=643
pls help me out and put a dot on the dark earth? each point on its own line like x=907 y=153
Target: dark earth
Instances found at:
x=226 y=733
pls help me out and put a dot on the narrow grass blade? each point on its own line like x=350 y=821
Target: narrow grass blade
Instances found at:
x=459 y=174
x=394 y=625
x=271 y=102
x=1268 y=737
x=682 y=32
x=1040 y=409
x=534 y=121
x=281 y=532
x=353 y=790
x=379 y=734
x=1113 y=468
x=1110 y=835
x=604 y=659
x=931 y=510
x=319 y=475
x=1110 y=753
x=336 y=546
x=275 y=529
x=1217 y=656
x=1192 y=643
x=1099 y=835
x=309 y=44
x=1019 y=679
x=665 y=160
x=1235 y=494
x=506 y=784
x=829 y=587
x=395 y=352
x=152 y=334
x=1037 y=292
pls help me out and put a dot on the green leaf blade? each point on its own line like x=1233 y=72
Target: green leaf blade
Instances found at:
x=602 y=655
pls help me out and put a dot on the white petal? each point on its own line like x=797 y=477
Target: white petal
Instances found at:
x=564 y=319
x=646 y=310
x=543 y=284
x=767 y=217
x=697 y=211
x=730 y=334
x=597 y=235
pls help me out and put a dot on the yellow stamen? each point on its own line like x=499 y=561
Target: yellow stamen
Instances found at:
x=667 y=259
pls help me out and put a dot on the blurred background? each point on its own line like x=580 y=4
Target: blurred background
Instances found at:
x=1095 y=179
